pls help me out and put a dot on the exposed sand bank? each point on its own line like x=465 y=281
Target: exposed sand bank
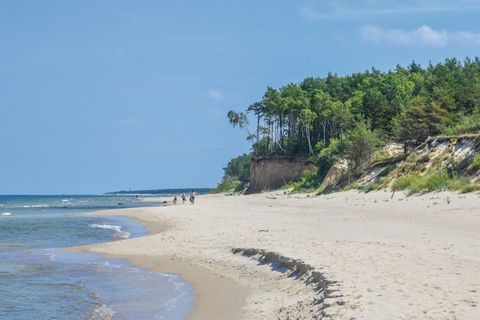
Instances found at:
x=354 y=255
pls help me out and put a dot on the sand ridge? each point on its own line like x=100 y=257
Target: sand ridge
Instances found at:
x=384 y=258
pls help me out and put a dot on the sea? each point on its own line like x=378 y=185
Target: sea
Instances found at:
x=39 y=281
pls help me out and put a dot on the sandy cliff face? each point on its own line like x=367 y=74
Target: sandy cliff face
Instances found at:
x=269 y=174
x=454 y=154
x=334 y=175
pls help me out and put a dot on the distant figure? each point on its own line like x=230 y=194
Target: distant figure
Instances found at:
x=184 y=198
x=192 y=197
x=175 y=200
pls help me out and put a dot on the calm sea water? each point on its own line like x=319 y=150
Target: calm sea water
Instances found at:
x=37 y=281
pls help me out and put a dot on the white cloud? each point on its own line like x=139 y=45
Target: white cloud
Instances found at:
x=215 y=94
x=344 y=9
x=423 y=36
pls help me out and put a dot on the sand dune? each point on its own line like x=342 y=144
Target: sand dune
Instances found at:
x=343 y=256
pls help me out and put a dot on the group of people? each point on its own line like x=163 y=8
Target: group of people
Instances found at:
x=193 y=194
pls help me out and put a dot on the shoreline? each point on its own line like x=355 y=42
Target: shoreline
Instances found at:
x=215 y=296
x=338 y=256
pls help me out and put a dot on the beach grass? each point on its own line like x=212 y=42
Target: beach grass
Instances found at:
x=434 y=181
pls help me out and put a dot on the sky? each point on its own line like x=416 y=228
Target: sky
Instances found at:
x=97 y=96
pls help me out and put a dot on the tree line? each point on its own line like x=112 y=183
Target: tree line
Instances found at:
x=326 y=118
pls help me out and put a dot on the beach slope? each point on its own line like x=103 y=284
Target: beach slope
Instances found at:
x=348 y=255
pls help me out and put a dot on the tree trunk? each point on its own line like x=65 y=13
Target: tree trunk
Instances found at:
x=307 y=133
x=324 y=125
x=258 y=128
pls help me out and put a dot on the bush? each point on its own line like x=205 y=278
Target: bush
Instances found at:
x=461 y=184
x=359 y=145
x=227 y=185
x=362 y=188
x=308 y=181
x=327 y=156
x=370 y=187
x=404 y=182
x=435 y=181
x=465 y=124
x=239 y=168
x=236 y=175
x=475 y=165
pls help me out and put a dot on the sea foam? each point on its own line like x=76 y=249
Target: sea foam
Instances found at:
x=36 y=206
x=5 y=214
x=117 y=229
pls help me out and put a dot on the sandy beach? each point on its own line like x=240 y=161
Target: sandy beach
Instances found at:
x=348 y=255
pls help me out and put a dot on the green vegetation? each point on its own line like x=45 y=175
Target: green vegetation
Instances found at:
x=359 y=145
x=227 y=185
x=364 y=188
x=475 y=165
x=421 y=120
x=236 y=175
x=239 y=168
x=434 y=181
x=307 y=181
x=351 y=117
x=465 y=124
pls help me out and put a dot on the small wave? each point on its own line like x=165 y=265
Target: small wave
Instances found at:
x=117 y=229
x=5 y=214
x=65 y=200
x=100 y=312
x=36 y=206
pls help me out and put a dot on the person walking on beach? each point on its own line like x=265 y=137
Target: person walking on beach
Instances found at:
x=184 y=198
x=192 y=197
x=175 y=200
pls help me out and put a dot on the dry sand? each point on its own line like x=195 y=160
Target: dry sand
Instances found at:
x=363 y=256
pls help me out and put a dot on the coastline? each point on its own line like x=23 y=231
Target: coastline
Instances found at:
x=377 y=257
x=216 y=296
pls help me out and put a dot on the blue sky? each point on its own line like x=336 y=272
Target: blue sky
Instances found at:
x=107 y=95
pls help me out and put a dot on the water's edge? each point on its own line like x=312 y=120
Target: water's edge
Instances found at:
x=103 y=311
x=216 y=296
x=42 y=277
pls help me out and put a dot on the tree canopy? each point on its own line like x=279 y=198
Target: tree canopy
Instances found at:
x=349 y=116
x=402 y=104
